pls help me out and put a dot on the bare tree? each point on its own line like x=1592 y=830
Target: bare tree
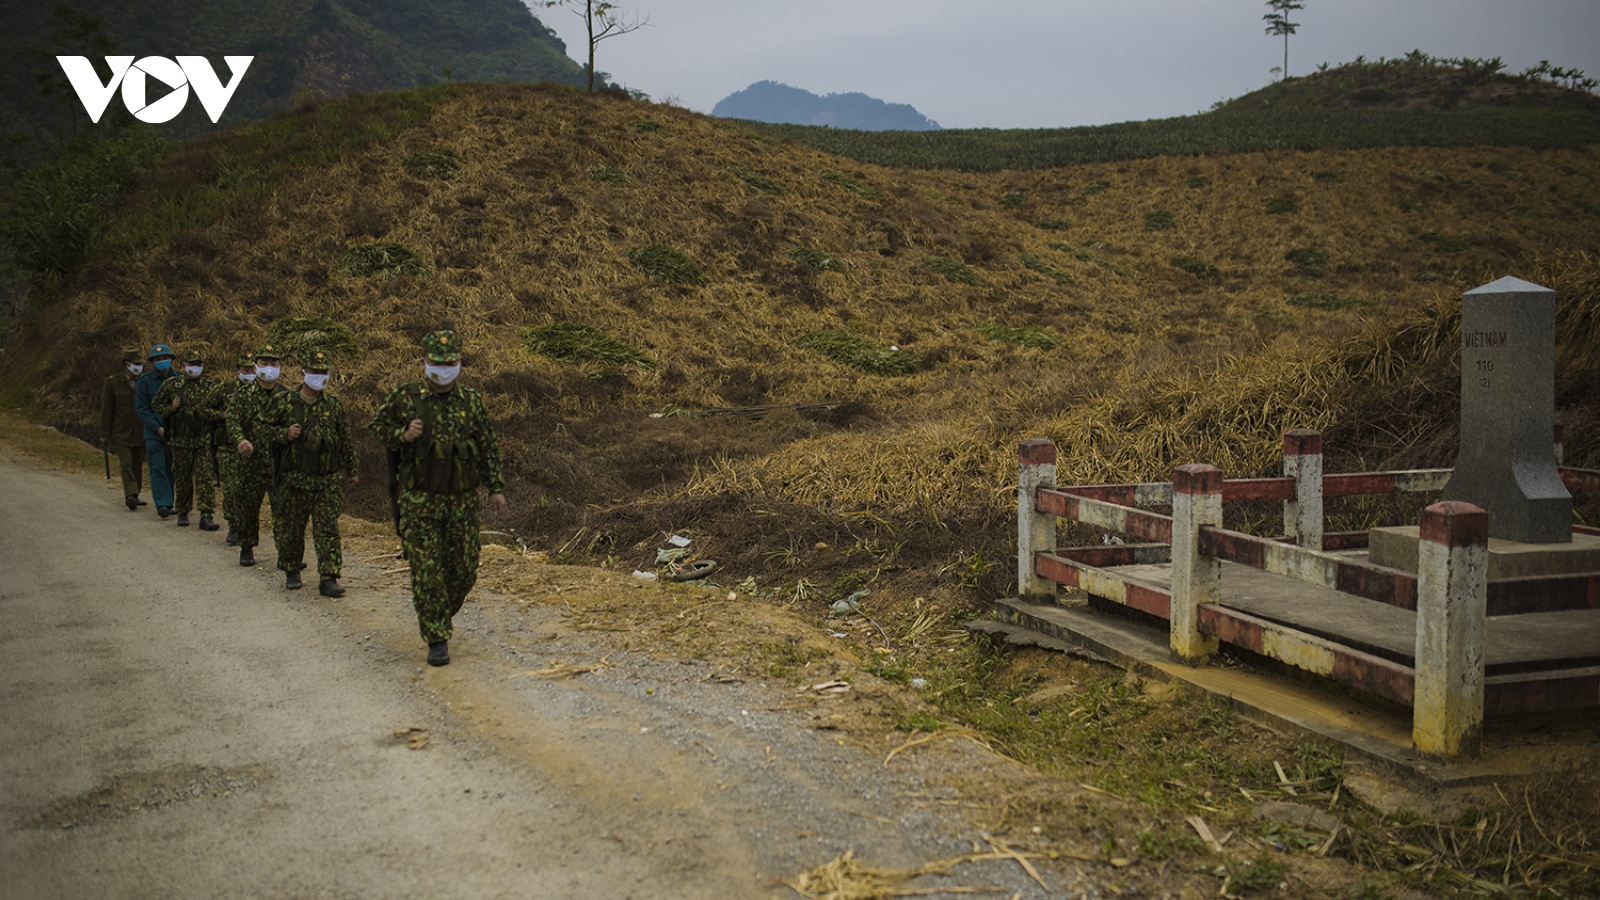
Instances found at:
x=602 y=20
x=1278 y=23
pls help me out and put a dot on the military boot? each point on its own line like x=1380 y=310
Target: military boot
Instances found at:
x=207 y=525
x=132 y=501
x=163 y=511
x=330 y=587
x=247 y=557
x=291 y=580
x=183 y=520
x=233 y=537
x=439 y=653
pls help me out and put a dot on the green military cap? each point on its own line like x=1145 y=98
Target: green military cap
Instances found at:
x=441 y=346
x=160 y=350
x=132 y=354
x=244 y=359
x=194 y=356
x=317 y=359
x=268 y=351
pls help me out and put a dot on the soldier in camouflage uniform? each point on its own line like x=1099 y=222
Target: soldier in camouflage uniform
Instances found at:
x=120 y=428
x=227 y=456
x=310 y=426
x=447 y=448
x=252 y=440
x=188 y=405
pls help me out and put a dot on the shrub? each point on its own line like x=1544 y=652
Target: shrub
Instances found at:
x=297 y=336
x=1096 y=187
x=1159 y=220
x=571 y=342
x=381 y=259
x=1044 y=268
x=852 y=185
x=1309 y=258
x=1443 y=243
x=666 y=265
x=1197 y=181
x=858 y=353
x=1026 y=335
x=1054 y=224
x=646 y=126
x=1288 y=203
x=816 y=259
x=1014 y=200
x=757 y=182
x=1328 y=176
x=1194 y=265
x=441 y=163
x=1083 y=255
x=953 y=270
x=610 y=174
x=1325 y=302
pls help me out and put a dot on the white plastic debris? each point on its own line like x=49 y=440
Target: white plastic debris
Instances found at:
x=678 y=540
x=644 y=576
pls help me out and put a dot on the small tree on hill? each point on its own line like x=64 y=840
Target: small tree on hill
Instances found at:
x=602 y=20
x=1278 y=23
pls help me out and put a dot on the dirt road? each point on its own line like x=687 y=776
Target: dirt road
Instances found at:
x=175 y=726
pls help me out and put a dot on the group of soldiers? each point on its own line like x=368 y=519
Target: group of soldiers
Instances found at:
x=294 y=449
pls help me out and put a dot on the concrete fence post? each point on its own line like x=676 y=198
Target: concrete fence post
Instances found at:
x=1036 y=531
x=1196 y=501
x=1452 y=595
x=1561 y=441
x=1302 y=461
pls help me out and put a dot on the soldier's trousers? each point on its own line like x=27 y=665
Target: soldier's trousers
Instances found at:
x=439 y=533
x=193 y=477
x=255 y=483
x=130 y=462
x=321 y=506
x=229 y=462
x=155 y=454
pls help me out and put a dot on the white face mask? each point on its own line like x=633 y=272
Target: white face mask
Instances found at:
x=247 y=377
x=315 y=382
x=193 y=371
x=135 y=368
x=442 y=375
x=267 y=373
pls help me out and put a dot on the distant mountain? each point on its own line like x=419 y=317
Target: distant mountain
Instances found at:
x=770 y=101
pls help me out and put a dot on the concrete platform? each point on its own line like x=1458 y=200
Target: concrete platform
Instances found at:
x=1369 y=729
x=1396 y=548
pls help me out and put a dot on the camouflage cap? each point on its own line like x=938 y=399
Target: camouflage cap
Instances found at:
x=160 y=350
x=194 y=356
x=316 y=359
x=132 y=354
x=244 y=359
x=441 y=346
x=268 y=351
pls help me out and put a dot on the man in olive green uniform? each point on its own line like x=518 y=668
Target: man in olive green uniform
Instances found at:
x=227 y=455
x=120 y=429
x=189 y=405
x=310 y=426
x=447 y=448
x=252 y=440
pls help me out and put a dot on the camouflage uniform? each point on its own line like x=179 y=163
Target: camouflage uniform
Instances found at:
x=308 y=477
x=121 y=430
x=227 y=456
x=439 y=476
x=189 y=430
x=254 y=471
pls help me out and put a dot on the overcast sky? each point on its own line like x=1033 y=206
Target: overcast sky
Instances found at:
x=1050 y=63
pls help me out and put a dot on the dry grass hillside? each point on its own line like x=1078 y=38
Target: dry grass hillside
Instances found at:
x=1142 y=314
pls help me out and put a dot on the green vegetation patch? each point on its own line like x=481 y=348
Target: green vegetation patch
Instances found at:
x=646 y=126
x=666 y=265
x=610 y=174
x=1054 y=224
x=1033 y=336
x=575 y=343
x=1409 y=204
x=858 y=353
x=1095 y=187
x=1194 y=265
x=1325 y=302
x=852 y=185
x=381 y=259
x=757 y=182
x=1083 y=255
x=1443 y=243
x=1159 y=220
x=1044 y=268
x=440 y=163
x=816 y=259
x=1308 y=258
x=1014 y=200
x=1285 y=205
x=954 y=270
x=298 y=336
x=1327 y=176
x=1197 y=181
